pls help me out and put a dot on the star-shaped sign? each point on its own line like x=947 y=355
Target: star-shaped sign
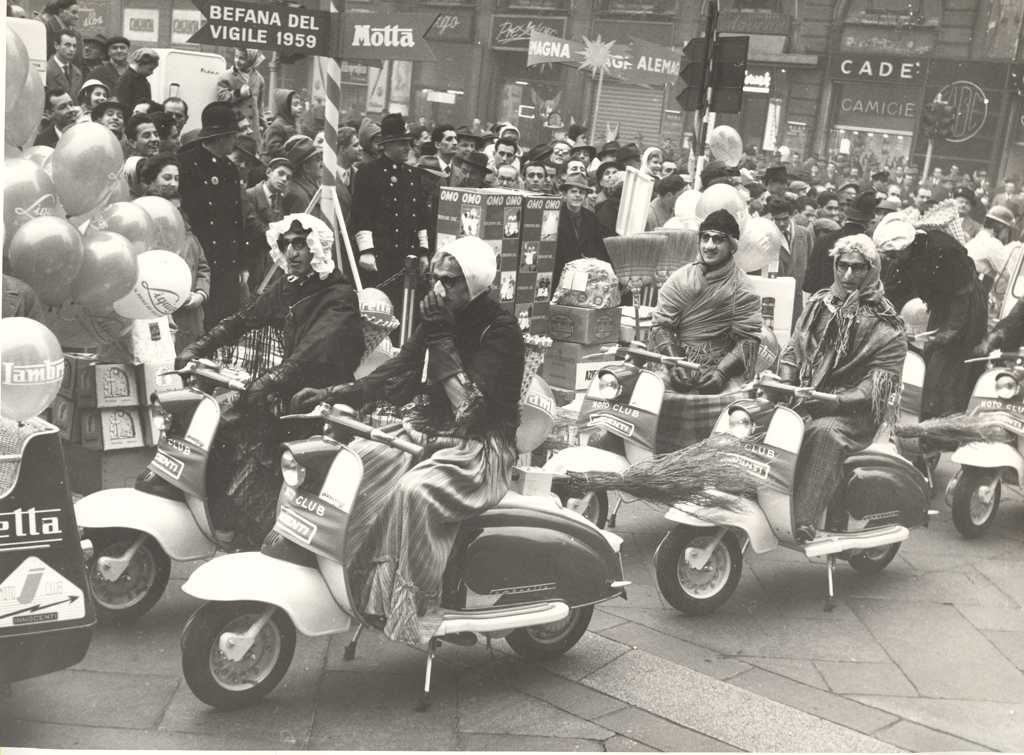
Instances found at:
x=597 y=54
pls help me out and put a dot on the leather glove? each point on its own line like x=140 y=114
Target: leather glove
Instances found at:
x=307 y=398
x=368 y=260
x=260 y=392
x=437 y=319
x=187 y=355
x=680 y=379
x=993 y=341
x=710 y=381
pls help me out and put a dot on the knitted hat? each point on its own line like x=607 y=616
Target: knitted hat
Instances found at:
x=376 y=309
x=722 y=221
x=367 y=131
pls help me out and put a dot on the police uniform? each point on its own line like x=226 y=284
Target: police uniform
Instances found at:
x=212 y=202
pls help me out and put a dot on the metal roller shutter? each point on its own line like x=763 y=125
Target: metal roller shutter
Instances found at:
x=637 y=109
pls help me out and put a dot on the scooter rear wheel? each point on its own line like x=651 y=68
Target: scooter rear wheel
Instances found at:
x=139 y=587
x=697 y=592
x=216 y=679
x=873 y=560
x=971 y=515
x=551 y=640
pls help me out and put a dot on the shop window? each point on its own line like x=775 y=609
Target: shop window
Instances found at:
x=638 y=7
x=535 y=5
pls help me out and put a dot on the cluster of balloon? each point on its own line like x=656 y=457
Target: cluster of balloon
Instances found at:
x=760 y=242
x=28 y=193
x=33 y=368
x=726 y=145
x=722 y=197
x=87 y=165
x=23 y=87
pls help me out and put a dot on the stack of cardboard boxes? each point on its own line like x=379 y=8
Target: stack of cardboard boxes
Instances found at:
x=581 y=338
x=523 y=231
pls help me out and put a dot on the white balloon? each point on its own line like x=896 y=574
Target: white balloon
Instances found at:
x=725 y=144
x=686 y=205
x=162 y=286
x=760 y=243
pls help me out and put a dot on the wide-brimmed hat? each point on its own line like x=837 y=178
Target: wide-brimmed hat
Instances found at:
x=476 y=160
x=882 y=175
x=537 y=154
x=626 y=153
x=591 y=152
x=776 y=174
x=100 y=110
x=1003 y=215
x=219 y=119
x=465 y=132
x=609 y=149
x=246 y=144
x=862 y=208
x=575 y=181
x=392 y=129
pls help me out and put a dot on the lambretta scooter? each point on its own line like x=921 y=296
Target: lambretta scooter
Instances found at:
x=137 y=531
x=700 y=560
x=975 y=491
x=527 y=570
x=618 y=426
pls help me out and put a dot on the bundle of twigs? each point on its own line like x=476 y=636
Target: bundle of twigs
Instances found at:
x=689 y=474
x=951 y=431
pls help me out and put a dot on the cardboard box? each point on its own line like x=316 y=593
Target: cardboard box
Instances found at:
x=151 y=381
x=150 y=433
x=152 y=341
x=539 y=318
x=105 y=429
x=479 y=212
x=62 y=414
x=530 y=481
x=573 y=365
x=90 y=470
x=582 y=325
x=115 y=385
x=79 y=378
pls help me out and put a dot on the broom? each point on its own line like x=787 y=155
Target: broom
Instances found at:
x=690 y=474
x=635 y=261
x=951 y=431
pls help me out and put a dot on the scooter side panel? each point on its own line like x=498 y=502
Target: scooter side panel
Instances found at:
x=297 y=590
x=169 y=522
x=742 y=514
x=989 y=456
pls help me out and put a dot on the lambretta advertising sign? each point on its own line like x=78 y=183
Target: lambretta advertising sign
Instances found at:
x=385 y=36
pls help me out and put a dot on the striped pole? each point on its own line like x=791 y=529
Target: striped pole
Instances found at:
x=332 y=105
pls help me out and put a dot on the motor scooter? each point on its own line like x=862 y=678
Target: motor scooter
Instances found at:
x=975 y=491
x=526 y=570
x=699 y=561
x=46 y=609
x=137 y=531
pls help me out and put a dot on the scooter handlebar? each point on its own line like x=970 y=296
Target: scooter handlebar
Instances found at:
x=342 y=415
x=651 y=356
x=997 y=355
x=774 y=385
x=210 y=370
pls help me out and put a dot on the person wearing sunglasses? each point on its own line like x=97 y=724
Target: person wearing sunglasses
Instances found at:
x=849 y=343
x=405 y=518
x=708 y=312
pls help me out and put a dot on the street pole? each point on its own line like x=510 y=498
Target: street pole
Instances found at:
x=927 y=160
x=597 y=100
x=706 y=78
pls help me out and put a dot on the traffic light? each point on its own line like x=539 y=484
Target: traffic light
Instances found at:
x=692 y=75
x=938 y=118
x=728 y=72
x=1017 y=79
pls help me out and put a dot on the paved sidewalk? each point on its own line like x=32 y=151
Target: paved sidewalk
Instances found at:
x=926 y=656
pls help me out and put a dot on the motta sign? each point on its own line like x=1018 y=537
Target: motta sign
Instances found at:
x=264 y=27
x=386 y=36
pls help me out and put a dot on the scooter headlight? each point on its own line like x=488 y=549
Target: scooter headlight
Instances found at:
x=608 y=386
x=293 y=473
x=740 y=423
x=1006 y=387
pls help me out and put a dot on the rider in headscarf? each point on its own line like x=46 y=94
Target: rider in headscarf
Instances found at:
x=848 y=342
x=466 y=412
x=709 y=312
x=651 y=161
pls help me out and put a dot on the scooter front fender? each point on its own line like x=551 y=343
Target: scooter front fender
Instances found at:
x=742 y=514
x=990 y=456
x=299 y=591
x=169 y=522
x=585 y=459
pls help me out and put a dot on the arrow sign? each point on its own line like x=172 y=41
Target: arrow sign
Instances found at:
x=275 y=26
x=385 y=36
x=38 y=607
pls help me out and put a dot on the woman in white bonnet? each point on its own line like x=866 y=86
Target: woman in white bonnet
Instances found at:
x=466 y=412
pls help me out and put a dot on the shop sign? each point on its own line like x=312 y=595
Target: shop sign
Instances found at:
x=184 y=23
x=141 y=24
x=872 y=106
x=452 y=26
x=385 y=36
x=971 y=105
x=354 y=73
x=757 y=82
x=638 y=63
x=875 y=68
x=513 y=32
x=868 y=39
x=264 y=27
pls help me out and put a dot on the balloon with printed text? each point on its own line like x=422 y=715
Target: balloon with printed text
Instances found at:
x=33 y=368
x=28 y=193
x=163 y=283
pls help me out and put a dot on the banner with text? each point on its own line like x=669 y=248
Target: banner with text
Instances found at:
x=385 y=36
x=264 y=27
x=637 y=63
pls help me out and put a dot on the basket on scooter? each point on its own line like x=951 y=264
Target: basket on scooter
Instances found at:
x=884 y=487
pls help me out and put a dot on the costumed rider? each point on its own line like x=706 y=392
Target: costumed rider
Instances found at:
x=849 y=342
x=316 y=310
x=407 y=513
x=708 y=312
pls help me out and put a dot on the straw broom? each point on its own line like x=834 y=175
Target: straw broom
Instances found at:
x=951 y=431
x=688 y=474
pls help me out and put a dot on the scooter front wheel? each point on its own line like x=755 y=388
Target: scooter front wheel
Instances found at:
x=593 y=506
x=693 y=591
x=218 y=680
x=138 y=587
x=972 y=514
x=551 y=640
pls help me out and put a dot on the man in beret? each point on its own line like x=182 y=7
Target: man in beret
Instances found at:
x=708 y=312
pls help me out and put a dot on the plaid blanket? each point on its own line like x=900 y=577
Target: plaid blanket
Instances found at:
x=688 y=418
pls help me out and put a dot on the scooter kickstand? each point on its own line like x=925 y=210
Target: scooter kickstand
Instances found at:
x=424 y=703
x=830 y=599
x=350 y=648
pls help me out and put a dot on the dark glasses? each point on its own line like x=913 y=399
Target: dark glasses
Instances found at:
x=714 y=238
x=854 y=267
x=296 y=242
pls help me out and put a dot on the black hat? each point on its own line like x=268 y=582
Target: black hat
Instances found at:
x=848 y=185
x=576 y=181
x=717 y=171
x=117 y=41
x=101 y=109
x=276 y=161
x=246 y=144
x=464 y=132
x=475 y=159
x=756 y=189
x=609 y=149
x=626 y=153
x=392 y=129
x=603 y=168
x=776 y=174
x=591 y=152
x=862 y=208
x=538 y=154
x=219 y=119
x=298 y=149
x=966 y=193
x=882 y=175
x=721 y=220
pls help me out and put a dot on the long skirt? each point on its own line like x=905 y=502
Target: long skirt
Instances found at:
x=405 y=519
x=828 y=441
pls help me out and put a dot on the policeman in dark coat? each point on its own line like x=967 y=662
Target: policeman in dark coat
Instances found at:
x=390 y=213
x=212 y=202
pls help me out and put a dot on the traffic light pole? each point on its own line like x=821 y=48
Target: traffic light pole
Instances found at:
x=705 y=116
